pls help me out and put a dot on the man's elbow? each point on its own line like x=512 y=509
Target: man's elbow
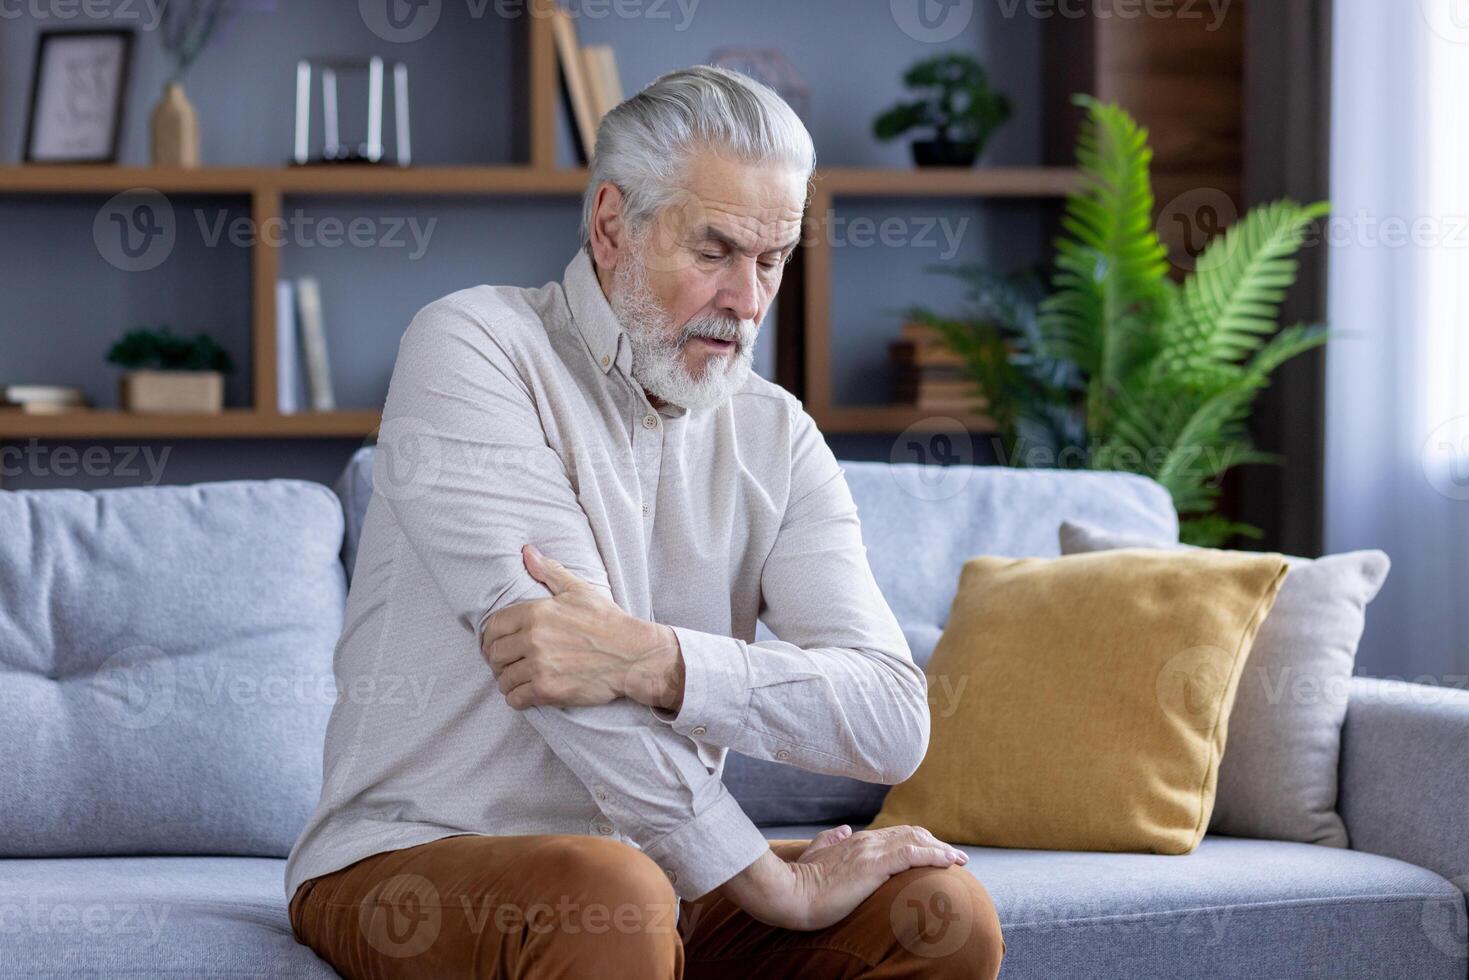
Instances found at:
x=907 y=742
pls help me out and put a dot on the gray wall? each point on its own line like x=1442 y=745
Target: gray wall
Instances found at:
x=64 y=304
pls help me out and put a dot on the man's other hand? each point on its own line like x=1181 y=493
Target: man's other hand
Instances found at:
x=578 y=647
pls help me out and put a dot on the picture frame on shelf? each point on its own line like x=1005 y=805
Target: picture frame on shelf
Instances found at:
x=78 y=91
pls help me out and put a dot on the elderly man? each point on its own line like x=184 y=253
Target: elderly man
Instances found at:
x=583 y=501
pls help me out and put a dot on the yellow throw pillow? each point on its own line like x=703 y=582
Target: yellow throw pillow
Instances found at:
x=1081 y=703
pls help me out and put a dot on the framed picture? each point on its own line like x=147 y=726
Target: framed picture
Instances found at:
x=77 y=96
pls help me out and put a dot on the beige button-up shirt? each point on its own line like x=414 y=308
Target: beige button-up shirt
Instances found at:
x=512 y=418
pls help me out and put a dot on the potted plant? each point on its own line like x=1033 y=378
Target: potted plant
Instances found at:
x=956 y=104
x=1119 y=367
x=168 y=373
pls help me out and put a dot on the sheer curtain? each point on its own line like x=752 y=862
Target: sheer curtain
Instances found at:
x=1397 y=377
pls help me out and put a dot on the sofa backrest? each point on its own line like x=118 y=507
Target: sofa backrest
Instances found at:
x=167 y=666
x=921 y=523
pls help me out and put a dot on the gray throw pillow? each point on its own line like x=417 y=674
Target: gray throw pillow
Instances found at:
x=1278 y=777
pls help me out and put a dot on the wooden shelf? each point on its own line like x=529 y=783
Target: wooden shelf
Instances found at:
x=895 y=418
x=1026 y=182
x=353 y=180
x=230 y=424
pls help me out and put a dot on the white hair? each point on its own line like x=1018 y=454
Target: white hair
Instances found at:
x=644 y=145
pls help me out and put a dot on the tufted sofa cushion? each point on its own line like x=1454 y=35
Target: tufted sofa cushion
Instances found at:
x=167 y=666
x=920 y=524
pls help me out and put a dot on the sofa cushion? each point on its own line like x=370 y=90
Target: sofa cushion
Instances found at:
x=167 y=655
x=1278 y=778
x=1096 y=697
x=149 y=917
x=1234 y=909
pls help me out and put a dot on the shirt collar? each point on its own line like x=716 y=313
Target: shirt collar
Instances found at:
x=590 y=310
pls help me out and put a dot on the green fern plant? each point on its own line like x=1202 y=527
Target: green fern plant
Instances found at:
x=1119 y=368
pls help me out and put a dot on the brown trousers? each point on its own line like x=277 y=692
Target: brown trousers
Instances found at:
x=541 y=907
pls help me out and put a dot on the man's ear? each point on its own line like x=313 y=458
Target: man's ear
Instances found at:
x=608 y=232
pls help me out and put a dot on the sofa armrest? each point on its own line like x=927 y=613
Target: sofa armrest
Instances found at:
x=1405 y=774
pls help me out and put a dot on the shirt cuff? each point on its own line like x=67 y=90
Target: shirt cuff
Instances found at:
x=716 y=687
x=710 y=849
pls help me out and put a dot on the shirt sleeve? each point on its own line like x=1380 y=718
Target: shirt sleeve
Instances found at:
x=467 y=475
x=838 y=691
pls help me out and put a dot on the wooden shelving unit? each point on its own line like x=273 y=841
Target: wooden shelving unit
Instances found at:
x=805 y=305
x=234 y=423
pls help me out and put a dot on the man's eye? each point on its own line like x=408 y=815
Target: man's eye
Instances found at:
x=710 y=256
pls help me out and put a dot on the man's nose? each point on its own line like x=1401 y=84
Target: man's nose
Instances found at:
x=740 y=291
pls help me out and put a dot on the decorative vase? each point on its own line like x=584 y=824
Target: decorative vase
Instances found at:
x=944 y=153
x=175 y=127
x=172 y=391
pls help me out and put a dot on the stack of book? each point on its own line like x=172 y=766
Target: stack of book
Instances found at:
x=303 y=380
x=927 y=373
x=41 y=399
x=590 y=82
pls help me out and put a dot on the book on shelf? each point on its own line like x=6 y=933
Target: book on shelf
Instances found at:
x=601 y=70
x=35 y=399
x=590 y=83
x=928 y=374
x=313 y=344
x=287 y=350
x=575 y=85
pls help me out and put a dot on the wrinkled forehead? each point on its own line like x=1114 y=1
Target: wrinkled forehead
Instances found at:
x=752 y=208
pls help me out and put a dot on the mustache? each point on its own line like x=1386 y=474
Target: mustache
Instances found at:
x=720 y=328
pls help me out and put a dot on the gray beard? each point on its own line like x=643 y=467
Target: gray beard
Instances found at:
x=657 y=348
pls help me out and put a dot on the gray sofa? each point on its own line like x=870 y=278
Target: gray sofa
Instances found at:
x=166 y=682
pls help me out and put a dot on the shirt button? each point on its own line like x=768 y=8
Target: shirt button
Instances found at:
x=645 y=510
x=602 y=795
x=606 y=360
x=782 y=754
x=650 y=421
x=605 y=829
x=699 y=730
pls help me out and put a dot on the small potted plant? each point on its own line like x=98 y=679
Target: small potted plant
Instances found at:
x=956 y=104
x=168 y=373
